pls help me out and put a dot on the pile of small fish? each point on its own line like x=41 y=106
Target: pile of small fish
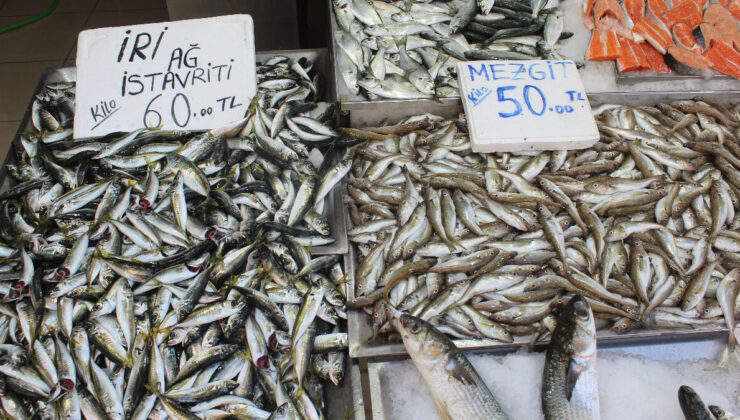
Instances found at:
x=643 y=225
x=410 y=49
x=157 y=274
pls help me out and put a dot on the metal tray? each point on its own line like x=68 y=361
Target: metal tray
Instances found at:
x=362 y=110
x=320 y=57
x=380 y=406
x=651 y=76
x=358 y=325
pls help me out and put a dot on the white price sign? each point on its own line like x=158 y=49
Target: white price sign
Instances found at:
x=525 y=105
x=187 y=75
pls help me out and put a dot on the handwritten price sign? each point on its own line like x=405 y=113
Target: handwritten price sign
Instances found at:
x=188 y=75
x=526 y=105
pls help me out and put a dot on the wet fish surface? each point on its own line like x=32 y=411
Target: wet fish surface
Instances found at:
x=458 y=390
x=407 y=50
x=154 y=274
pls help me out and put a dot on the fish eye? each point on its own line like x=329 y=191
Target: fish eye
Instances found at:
x=415 y=327
x=580 y=310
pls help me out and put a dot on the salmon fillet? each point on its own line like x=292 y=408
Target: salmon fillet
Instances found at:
x=729 y=34
x=734 y=8
x=687 y=12
x=604 y=46
x=635 y=9
x=654 y=58
x=725 y=24
x=689 y=58
x=608 y=16
x=702 y=3
x=724 y=58
x=654 y=34
x=631 y=56
x=683 y=36
x=656 y=8
x=588 y=14
x=710 y=34
x=717 y=13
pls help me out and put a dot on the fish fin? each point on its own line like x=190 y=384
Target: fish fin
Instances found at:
x=457 y=243
x=56 y=393
x=444 y=412
x=722 y=360
x=349 y=414
x=163 y=330
x=571 y=378
x=456 y=370
x=153 y=389
x=450 y=245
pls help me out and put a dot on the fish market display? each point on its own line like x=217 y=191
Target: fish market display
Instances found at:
x=156 y=274
x=458 y=390
x=569 y=383
x=644 y=225
x=410 y=49
x=689 y=37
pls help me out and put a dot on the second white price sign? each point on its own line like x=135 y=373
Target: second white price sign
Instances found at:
x=526 y=105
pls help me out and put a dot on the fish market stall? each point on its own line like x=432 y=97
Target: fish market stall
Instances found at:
x=384 y=173
x=177 y=273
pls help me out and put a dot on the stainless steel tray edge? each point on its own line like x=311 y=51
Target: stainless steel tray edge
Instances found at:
x=645 y=98
x=376 y=391
x=651 y=76
x=347 y=397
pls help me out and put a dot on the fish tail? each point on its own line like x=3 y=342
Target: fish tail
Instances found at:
x=450 y=245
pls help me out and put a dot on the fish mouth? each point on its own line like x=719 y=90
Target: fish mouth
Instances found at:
x=580 y=306
x=686 y=395
x=66 y=384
